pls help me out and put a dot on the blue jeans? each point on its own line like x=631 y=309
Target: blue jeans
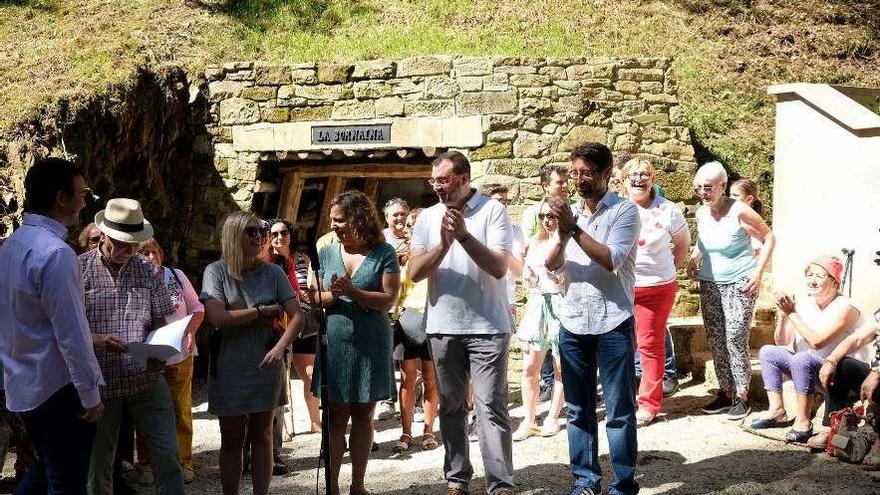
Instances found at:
x=63 y=443
x=670 y=370
x=612 y=354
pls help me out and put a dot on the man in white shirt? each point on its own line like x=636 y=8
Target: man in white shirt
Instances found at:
x=51 y=375
x=461 y=246
x=554 y=181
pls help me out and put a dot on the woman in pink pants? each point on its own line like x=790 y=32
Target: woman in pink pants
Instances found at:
x=662 y=224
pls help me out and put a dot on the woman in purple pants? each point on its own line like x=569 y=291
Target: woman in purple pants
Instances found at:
x=815 y=324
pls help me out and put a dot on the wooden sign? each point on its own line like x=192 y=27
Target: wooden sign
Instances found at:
x=351 y=134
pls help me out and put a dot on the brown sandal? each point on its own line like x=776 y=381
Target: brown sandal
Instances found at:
x=403 y=444
x=429 y=442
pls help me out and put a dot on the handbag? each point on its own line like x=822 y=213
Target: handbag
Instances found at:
x=413 y=324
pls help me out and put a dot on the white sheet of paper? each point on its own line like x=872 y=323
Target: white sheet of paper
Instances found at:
x=162 y=343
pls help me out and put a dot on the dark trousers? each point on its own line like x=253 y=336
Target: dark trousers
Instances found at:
x=846 y=385
x=612 y=354
x=63 y=443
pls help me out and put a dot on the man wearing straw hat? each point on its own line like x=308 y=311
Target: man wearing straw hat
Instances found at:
x=126 y=297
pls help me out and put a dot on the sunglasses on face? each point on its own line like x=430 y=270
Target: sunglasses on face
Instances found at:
x=254 y=232
x=548 y=216
x=706 y=188
x=281 y=233
x=96 y=239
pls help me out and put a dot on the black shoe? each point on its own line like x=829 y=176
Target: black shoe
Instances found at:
x=546 y=393
x=374 y=447
x=279 y=468
x=121 y=486
x=721 y=404
x=670 y=386
x=764 y=423
x=739 y=410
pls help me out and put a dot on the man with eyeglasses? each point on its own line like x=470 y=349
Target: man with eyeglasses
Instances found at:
x=595 y=260
x=461 y=246
x=125 y=298
x=51 y=374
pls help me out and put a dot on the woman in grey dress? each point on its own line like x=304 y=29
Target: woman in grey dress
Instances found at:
x=242 y=297
x=360 y=278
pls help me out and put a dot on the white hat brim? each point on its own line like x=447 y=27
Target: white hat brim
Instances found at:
x=131 y=237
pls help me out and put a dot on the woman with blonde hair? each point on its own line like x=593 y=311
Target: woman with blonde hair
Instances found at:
x=729 y=274
x=243 y=296
x=662 y=225
x=360 y=278
x=88 y=238
x=539 y=330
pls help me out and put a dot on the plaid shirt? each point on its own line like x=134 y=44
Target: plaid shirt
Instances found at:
x=123 y=302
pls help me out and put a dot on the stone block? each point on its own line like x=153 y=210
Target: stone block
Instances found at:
x=568 y=85
x=569 y=104
x=275 y=114
x=530 y=106
x=406 y=87
x=236 y=111
x=640 y=74
x=496 y=82
x=353 y=110
x=240 y=75
x=516 y=69
x=424 y=66
x=286 y=92
x=241 y=170
x=627 y=87
x=224 y=150
x=665 y=98
x=531 y=145
x=267 y=75
x=486 y=103
x=333 y=73
x=514 y=167
x=651 y=87
x=232 y=66
x=214 y=73
x=304 y=75
x=373 y=69
x=529 y=92
x=221 y=90
x=505 y=135
x=470 y=83
x=303 y=114
x=441 y=87
x=553 y=72
x=591 y=71
x=583 y=134
x=389 y=107
x=320 y=91
x=549 y=128
x=501 y=122
x=259 y=93
x=529 y=80
x=429 y=108
x=651 y=118
x=371 y=89
x=531 y=191
x=676 y=115
x=472 y=66
x=502 y=149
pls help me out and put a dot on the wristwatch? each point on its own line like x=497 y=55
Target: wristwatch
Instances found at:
x=575 y=232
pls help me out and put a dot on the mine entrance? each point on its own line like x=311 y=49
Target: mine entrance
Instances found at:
x=308 y=189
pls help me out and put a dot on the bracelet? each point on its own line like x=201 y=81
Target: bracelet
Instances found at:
x=829 y=361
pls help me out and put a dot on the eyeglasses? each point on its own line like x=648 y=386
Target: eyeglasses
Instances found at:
x=578 y=174
x=706 y=188
x=441 y=181
x=638 y=175
x=280 y=233
x=254 y=232
x=548 y=216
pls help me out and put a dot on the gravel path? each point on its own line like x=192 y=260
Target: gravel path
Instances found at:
x=682 y=453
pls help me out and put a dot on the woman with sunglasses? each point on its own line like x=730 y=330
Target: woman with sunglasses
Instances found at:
x=662 y=224
x=89 y=238
x=539 y=330
x=243 y=297
x=360 y=280
x=729 y=274
x=296 y=266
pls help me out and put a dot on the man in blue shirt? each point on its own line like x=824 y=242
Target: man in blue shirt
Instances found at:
x=51 y=374
x=595 y=261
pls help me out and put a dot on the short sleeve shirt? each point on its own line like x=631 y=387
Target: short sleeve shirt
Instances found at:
x=462 y=298
x=655 y=264
x=125 y=306
x=264 y=284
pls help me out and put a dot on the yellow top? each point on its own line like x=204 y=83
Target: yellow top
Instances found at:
x=412 y=295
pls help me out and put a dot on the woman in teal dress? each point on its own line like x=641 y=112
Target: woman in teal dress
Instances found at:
x=361 y=279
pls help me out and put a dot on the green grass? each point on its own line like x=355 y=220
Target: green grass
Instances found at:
x=726 y=51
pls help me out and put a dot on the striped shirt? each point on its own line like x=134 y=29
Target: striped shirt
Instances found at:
x=123 y=301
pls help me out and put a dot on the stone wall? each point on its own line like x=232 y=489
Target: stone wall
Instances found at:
x=528 y=112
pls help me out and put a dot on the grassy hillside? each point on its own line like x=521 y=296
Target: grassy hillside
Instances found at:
x=727 y=51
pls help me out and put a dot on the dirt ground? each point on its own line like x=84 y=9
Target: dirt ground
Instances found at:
x=682 y=453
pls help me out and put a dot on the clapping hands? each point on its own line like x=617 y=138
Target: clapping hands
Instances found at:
x=341 y=285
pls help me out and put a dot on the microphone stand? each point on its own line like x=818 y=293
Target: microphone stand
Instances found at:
x=321 y=352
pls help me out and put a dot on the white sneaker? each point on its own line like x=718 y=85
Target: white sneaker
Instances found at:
x=526 y=430
x=385 y=410
x=550 y=427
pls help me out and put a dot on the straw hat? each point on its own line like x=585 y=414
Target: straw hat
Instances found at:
x=123 y=220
